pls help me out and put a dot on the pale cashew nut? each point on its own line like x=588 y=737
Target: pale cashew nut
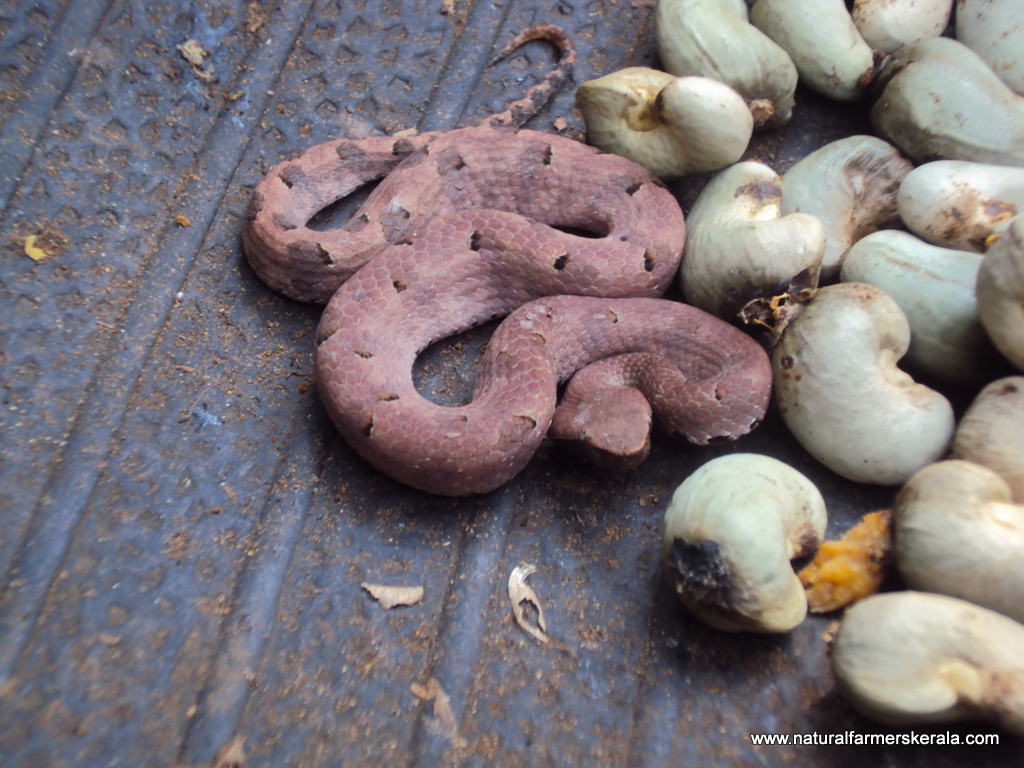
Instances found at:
x=994 y=29
x=935 y=289
x=730 y=532
x=821 y=38
x=842 y=396
x=739 y=247
x=991 y=432
x=1000 y=291
x=851 y=186
x=957 y=532
x=958 y=204
x=714 y=38
x=911 y=657
x=673 y=126
x=942 y=101
x=890 y=24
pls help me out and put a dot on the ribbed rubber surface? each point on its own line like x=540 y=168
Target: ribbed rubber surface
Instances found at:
x=182 y=534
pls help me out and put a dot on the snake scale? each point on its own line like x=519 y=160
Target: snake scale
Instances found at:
x=471 y=225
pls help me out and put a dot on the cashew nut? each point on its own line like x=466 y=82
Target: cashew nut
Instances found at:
x=958 y=533
x=673 y=126
x=730 y=532
x=821 y=38
x=994 y=29
x=842 y=396
x=943 y=101
x=991 y=432
x=935 y=289
x=851 y=186
x=1000 y=291
x=890 y=24
x=714 y=38
x=910 y=657
x=957 y=204
x=739 y=248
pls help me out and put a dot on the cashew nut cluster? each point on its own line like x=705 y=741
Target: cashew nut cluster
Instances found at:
x=958 y=204
x=740 y=248
x=942 y=100
x=1000 y=291
x=935 y=289
x=991 y=432
x=673 y=126
x=958 y=533
x=888 y=25
x=842 y=396
x=851 y=186
x=730 y=532
x=910 y=657
x=714 y=38
x=824 y=43
x=994 y=29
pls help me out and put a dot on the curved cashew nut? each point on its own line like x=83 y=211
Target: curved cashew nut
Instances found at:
x=714 y=38
x=935 y=289
x=1000 y=291
x=821 y=38
x=958 y=533
x=994 y=29
x=962 y=205
x=991 y=432
x=851 y=186
x=739 y=247
x=730 y=531
x=943 y=101
x=910 y=657
x=673 y=126
x=890 y=24
x=842 y=396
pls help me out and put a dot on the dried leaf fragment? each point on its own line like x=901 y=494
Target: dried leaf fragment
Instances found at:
x=850 y=569
x=443 y=722
x=389 y=597
x=519 y=592
x=192 y=52
x=33 y=251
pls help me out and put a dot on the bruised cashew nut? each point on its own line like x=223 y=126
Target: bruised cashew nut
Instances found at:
x=730 y=532
x=821 y=38
x=890 y=24
x=851 y=186
x=957 y=204
x=1000 y=291
x=673 y=126
x=911 y=657
x=739 y=247
x=958 y=533
x=942 y=101
x=714 y=38
x=935 y=289
x=842 y=396
x=991 y=432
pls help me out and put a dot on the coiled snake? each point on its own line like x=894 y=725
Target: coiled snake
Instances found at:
x=470 y=225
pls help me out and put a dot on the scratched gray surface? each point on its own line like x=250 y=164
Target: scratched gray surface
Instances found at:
x=183 y=535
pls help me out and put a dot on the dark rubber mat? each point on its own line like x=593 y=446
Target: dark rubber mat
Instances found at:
x=183 y=535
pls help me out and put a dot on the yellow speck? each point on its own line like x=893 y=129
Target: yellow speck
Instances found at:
x=33 y=252
x=183 y=221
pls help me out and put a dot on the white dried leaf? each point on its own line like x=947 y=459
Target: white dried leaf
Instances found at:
x=389 y=597
x=519 y=592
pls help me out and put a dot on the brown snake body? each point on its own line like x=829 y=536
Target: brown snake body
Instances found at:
x=468 y=226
